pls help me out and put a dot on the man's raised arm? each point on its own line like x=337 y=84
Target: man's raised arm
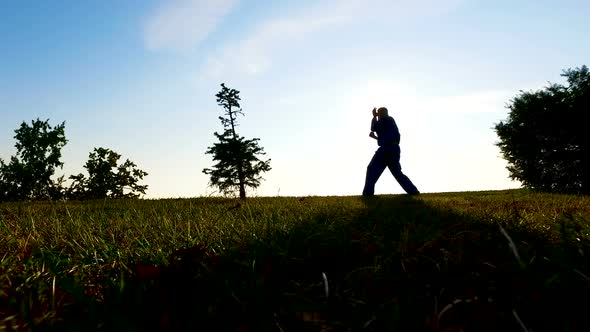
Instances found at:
x=374 y=124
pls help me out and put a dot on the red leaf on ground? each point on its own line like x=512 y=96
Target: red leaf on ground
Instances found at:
x=147 y=272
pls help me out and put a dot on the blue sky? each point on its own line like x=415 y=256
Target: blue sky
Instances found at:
x=139 y=77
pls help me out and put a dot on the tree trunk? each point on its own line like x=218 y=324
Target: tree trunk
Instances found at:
x=240 y=169
x=242 y=181
x=242 y=190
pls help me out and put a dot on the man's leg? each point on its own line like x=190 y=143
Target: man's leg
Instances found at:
x=396 y=169
x=374 y=170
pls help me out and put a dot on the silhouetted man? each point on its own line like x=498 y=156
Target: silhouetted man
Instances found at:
x=384 y=130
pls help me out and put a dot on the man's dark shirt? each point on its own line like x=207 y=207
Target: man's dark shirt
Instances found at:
x=386 y=129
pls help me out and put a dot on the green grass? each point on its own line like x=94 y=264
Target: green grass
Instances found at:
x=471 y=261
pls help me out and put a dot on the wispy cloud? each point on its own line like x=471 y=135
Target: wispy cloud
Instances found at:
x=180 y=25
x=491 y=101
x=254 y=53
x=407 y=101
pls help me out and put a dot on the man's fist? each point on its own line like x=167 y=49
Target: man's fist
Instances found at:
x=374 y=111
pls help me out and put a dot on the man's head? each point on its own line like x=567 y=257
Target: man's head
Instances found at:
x=382 y=111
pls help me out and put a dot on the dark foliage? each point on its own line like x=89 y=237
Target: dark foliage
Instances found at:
x=545 y=138
x=106 y=178
x=28 y=174
x=237 y=164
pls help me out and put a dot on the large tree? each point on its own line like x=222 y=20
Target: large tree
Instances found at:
x=237 y=165
x=107 y=178
x=546 y=140
x=28 y=175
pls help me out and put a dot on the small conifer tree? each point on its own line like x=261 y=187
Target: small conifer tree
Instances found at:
x=237 y=164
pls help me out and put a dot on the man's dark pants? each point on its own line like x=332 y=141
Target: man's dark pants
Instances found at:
x=387 y=156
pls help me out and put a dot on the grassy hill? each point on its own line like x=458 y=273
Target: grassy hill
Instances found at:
x=469 y=261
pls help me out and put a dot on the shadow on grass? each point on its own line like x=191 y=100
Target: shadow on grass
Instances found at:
x=396 y=265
